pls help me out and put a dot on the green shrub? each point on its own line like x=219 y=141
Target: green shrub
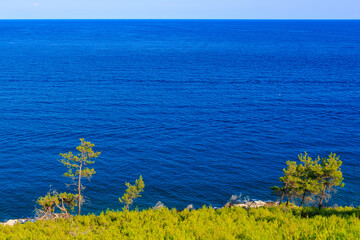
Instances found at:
x=204 y=223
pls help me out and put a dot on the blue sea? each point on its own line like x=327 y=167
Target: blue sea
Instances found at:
x=202 y=109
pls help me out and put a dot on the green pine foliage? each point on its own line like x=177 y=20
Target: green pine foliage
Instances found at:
x=308 y=173
x=330 y=177
x=289 y=182
x=47 y=203
x=64 y=202
x=132 y=192
x=311 y=179
x=78 y=166
x=204 y=223
x=307 y=179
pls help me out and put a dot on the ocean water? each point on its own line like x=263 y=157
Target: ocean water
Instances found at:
x=202 y=109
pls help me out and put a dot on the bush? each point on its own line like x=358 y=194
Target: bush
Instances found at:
x=204 y=223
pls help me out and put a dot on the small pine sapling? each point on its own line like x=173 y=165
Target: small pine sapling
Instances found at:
x=132 y=192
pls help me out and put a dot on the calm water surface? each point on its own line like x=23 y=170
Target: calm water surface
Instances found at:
x=202 y=109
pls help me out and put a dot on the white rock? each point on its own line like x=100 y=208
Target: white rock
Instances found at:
x=158 y=205
x=23 y=220
x=11 y=222
x=260 y=203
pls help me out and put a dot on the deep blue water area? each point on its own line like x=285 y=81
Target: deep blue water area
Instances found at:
x=202 y=109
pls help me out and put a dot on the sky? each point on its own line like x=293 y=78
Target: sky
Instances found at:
x=179 y=9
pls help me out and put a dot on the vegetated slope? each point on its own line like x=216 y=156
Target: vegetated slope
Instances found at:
x=205 y=223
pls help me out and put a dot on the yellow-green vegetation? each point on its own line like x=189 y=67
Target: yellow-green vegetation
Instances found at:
x=205 y=223
x=65 y=202
x=308 y=180
x=132 y=192
x=312 y=179
x=77 y=166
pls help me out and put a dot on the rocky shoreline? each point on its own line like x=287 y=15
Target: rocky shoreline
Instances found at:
x=235 y=201
x=12 y=222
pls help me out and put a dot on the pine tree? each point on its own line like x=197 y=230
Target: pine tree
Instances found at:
x=290 y=182
x=132 y=192
x=63 y=201
x=331 y=176
x=77 y=166
x=308 y=171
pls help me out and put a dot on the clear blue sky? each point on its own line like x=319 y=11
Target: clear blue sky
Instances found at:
x=178 y=9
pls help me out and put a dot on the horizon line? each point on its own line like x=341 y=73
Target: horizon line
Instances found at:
x=320 y=19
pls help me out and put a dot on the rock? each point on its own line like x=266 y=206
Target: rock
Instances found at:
x=12 y=222
x=241 y=205
x=271 y=204
x=158 y=205
x=235 y=201
x=259 y=203
x=189 y=207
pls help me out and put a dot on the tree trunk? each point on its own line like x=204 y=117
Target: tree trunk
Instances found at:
x=288 y=199
x=282 y=196
x=303 y=199
x=62 y=207
x=62 y=201
x=79 y=184
x=322 y=198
